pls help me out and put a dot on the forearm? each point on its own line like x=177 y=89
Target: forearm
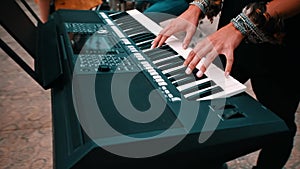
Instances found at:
x=44 y=8
x=283 y=8
x=192 y=14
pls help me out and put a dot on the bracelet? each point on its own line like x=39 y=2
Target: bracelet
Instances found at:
x=202 y=4
x=257 y=25
x=248 y=29
x=209 y=8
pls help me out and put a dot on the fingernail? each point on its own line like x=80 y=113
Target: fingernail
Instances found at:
x=184 y=46
x=226 y=74
x=199 y=73
x=188 y=71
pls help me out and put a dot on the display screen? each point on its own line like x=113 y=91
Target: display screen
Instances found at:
x=90 y=43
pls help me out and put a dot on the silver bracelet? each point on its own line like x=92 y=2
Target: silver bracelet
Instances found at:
x=202 y=4
x=256 y=24
x=243 y=23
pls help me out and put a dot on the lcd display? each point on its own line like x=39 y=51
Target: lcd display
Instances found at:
x=90 y=43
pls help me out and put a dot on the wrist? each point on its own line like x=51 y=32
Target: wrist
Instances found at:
x=257 y=25
x=192 y=14
x=238 y=34
x=194 y=10
x=202 y=5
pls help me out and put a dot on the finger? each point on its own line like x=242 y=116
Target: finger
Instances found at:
x=187 y=62
x=201 y=71
x=162 y=40
x=187 y=39
x=206 y=62
x=189 y=58
x=156 y=41
x=229 y=62
x=192 y=65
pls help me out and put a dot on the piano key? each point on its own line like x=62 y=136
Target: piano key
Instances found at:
x=189 y=85
x=145 y=46
x=173 y=69
x=127 y=23
x=184 y=81
x=170 y=65
x=210 y=91
x=178 y=76
x=165 y=59
x=162 y=55
x=175 y=72
x=132 y=31
x=126 y=20
x=198 y=87
x=171 y=60
x=153 y=52
x=158 y=56
x=144 y=42
x=117 y=15
x=162 y=48
x=142 y=37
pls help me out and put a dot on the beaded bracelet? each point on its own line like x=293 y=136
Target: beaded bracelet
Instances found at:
x=257 y=25
x=209 y=8
x=202 y=4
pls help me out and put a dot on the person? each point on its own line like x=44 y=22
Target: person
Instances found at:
x=172 y=7
x=46 y=7
x=167 y=8
x=255 y=40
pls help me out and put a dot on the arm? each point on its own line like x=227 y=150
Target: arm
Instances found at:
x=187 y=21
x=44 y=8
x=217 y=43
x=283 y=8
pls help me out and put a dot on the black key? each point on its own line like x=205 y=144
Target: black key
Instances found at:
x=168 y=61
x=142 y=37
x=157 y=50
x=205 y=93
x=162 y=55
x=198 y=87
x=178 y=71
x=177 y=77
x=134 y=30
x=119 y=15
x=184 y=81
x=171 y=65
x=145 y=45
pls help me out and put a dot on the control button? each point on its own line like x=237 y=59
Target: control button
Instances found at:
x=162 y=84
x=159 y=80
x=174 y=99
x=103 y=68
x=167 y=91
x=170 y=95
x=85 y=69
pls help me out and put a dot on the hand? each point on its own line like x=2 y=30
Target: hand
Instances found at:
x=187 y=22
x=223 y=41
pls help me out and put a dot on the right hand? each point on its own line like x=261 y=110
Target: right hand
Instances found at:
x=187 y=22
